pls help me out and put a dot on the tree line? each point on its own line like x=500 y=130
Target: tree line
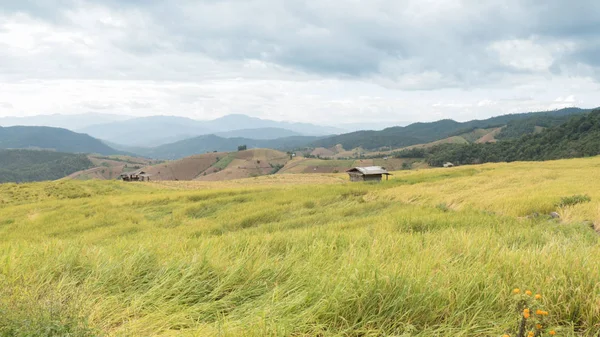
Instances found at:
x=37 y=165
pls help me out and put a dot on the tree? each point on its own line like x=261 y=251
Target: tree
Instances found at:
x=242 y=148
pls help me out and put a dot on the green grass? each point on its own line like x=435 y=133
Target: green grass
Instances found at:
x=574 y=200
x=224 y=162
x=110 y=258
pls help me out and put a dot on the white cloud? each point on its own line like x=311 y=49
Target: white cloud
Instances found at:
x=303 y=60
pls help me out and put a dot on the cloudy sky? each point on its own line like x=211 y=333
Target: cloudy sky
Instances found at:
x=322 y=61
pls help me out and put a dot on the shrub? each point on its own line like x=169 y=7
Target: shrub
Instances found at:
x=276 y=168
x=442 y=207
x=574 y=200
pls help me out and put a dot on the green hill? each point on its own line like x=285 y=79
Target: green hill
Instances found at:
x=579 y=136
x=419 y=133
x=34 y=165
x=57 y=139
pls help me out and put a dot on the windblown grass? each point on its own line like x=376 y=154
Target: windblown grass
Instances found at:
x=255 y=258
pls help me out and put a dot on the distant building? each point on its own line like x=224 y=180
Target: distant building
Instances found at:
x=370 y=173
x=448 y=164
x=138 y=175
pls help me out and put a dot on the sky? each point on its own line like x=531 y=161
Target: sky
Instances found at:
x=319 y=61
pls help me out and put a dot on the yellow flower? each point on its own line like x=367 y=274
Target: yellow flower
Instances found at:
x=516 y=290
x=528 y=292
x=530 y=334
x=538 y=326
x=552 y=332
x=526 y=313
x=505 y=335
x=541 y=312
x=538 y=296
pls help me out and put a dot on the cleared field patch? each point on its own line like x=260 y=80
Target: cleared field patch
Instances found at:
x=449 y=140
x=489 y=137
x=476 y=134
x=332 y=163
x=323 y=152
x=184 y=169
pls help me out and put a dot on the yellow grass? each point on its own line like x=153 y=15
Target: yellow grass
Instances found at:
x=429 y=253
x=515 y=189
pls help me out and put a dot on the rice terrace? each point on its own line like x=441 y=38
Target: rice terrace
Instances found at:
x=439 y=252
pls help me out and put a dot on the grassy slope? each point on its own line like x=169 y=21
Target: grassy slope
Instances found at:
x=429 y=253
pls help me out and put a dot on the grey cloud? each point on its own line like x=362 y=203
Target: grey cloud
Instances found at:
x=380 y=39
x=51 y=10
x=320 y=39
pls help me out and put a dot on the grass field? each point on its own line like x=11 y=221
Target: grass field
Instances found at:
x=429 y=253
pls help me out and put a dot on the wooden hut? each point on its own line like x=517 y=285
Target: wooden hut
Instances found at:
x=370 y=173
x=138 y=175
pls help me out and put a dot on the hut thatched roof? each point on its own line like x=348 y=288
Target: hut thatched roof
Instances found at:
x=369 y=170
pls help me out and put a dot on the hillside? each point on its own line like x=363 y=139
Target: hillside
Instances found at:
x=476 y=135
x=184 y=169
x=57 y=139
x=35 y=165
x=429 y=253
x=578 y=137
x=220 y=166
x=246 y=164
x=211 y=143
x=110 y=167
x=420 y=133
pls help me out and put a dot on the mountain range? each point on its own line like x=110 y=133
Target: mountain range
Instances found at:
x=168 y=137
x=159 y=130
x=71 y=122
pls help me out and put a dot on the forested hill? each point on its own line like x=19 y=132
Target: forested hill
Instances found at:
x=419 y=133
x=577 y=137
x=57 y=139
x=34 y=165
